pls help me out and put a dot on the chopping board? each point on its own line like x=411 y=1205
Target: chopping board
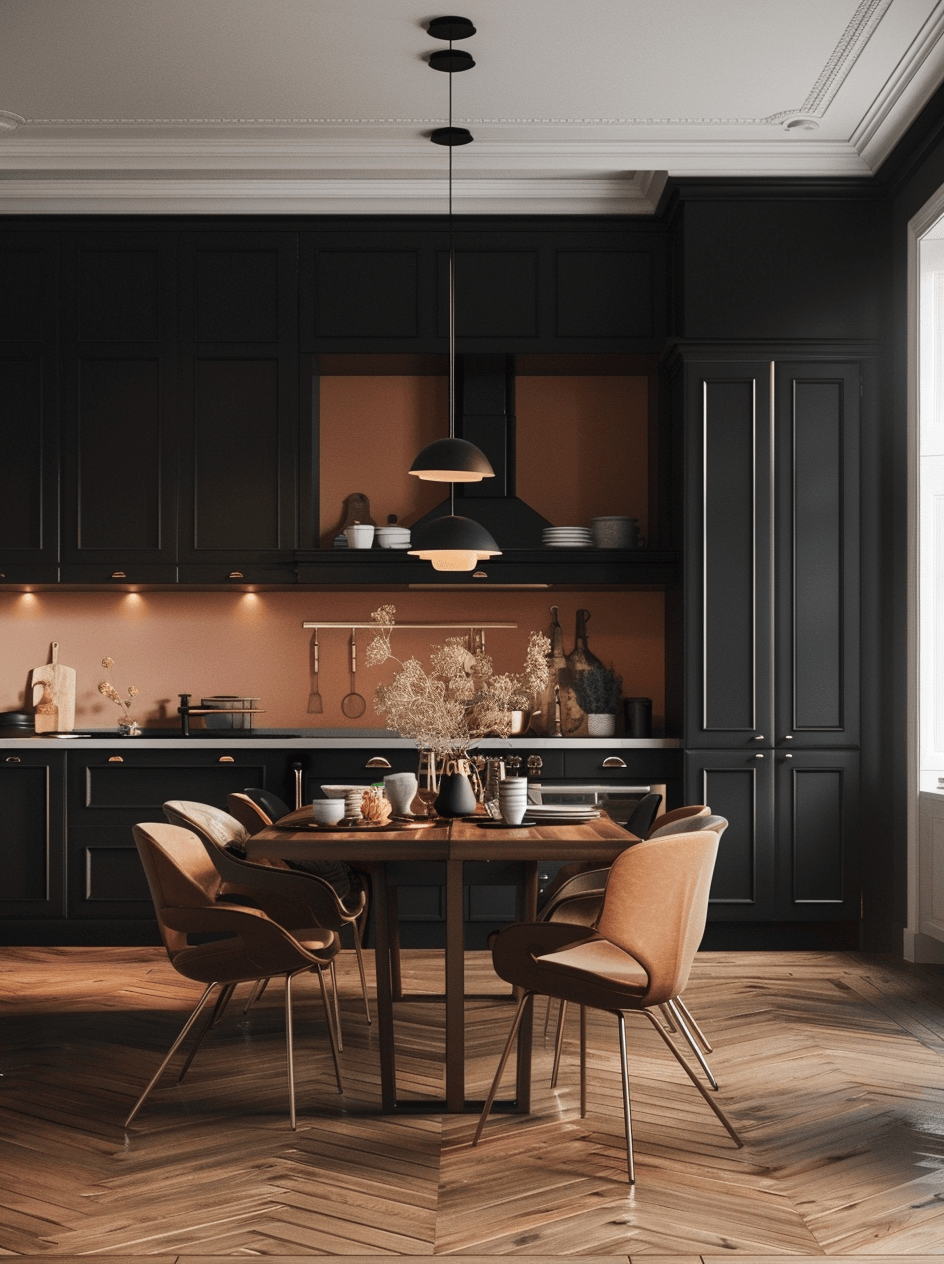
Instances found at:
x=53 y=695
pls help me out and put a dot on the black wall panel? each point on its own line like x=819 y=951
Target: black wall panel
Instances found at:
x=605 y=293
x=366 y=293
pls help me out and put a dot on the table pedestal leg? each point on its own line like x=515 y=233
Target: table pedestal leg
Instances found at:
x=383 y=965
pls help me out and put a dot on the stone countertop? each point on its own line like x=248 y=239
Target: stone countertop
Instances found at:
x=313 y=739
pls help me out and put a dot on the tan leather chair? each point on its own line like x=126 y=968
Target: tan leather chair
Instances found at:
x=638 y=958
x=678 y=814
x=580 y=901
x=289 y=896
x=185 y=888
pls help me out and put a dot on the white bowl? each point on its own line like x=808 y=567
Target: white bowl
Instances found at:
x=338 y=792
x=328 y=811
x=393 y=537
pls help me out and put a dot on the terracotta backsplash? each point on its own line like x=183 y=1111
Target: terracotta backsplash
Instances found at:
x=208 y=643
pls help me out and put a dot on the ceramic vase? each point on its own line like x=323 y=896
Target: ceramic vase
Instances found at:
x=456 y=796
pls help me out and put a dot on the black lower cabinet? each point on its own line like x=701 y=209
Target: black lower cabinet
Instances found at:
x=32 y=800
x=789 y=856
x=108 y=794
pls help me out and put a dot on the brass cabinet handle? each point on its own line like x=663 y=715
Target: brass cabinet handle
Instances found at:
x=226 y=759
x=377 y=761
x=613 y=761
x=788 y=737
x=759 y=737
x=13 y=759
x=236 y=575
x=116 y=759
x=118 y=575
x=788 y=756
x=758 y=756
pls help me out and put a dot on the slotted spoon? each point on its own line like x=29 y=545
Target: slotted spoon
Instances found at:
x=352 y=704
x=314 y=698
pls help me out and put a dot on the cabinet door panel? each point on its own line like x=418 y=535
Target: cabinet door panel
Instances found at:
x=728 y=661
x=817 y=832
x=32 y=801
x=738 y=787
x=817 y=572
x=28 y=484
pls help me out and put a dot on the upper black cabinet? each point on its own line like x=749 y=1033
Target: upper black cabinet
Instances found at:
x=29 y=511
x=119 y=415
x=238 y=406
x=772 y=554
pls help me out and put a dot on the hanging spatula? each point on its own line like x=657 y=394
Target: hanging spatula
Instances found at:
x=314 y=697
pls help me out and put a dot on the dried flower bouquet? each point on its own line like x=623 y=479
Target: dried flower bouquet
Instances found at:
x=460 y=698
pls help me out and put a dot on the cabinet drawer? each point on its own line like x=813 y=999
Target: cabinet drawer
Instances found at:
x=603 y=764
x=362 y=766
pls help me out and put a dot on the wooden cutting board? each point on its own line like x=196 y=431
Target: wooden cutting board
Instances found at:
x=53 y=695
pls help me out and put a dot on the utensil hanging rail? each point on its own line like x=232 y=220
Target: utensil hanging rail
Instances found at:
x=352 y=623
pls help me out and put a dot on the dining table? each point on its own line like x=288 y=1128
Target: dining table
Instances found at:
x=451 y=844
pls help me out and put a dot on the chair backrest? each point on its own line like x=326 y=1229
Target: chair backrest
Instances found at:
x=643 y=814
x=656 y=905
x=691 y=824
x=274 y=807
x=678 y=814
x=179 y=873
x=291 y=898
x=589 y=884
x=248 y=813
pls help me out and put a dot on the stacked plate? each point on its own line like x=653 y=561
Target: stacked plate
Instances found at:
x=560 y=813
x=567 y=538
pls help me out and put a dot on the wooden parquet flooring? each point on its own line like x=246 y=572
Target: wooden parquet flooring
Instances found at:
x=831 y=1066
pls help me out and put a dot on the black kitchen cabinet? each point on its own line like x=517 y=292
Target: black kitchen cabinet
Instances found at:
x=109 y=793
x=238 y=407
x=789 y=853
x=29 y=506
x=119 y=414
x=772 y=545
x=32 y=799
x=771 y=712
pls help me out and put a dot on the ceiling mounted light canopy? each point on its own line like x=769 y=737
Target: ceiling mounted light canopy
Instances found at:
x=452 y=543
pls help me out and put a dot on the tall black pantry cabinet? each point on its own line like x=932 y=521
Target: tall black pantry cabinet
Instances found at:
x=771 y=595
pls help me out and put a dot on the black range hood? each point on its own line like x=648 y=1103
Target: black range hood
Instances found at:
x=485 y=415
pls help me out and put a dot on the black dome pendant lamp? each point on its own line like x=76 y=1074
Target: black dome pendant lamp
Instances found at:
x=452 y=543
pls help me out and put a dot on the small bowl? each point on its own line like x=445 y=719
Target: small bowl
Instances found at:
x=328 y=811
x=393 y=537
x=339 y=792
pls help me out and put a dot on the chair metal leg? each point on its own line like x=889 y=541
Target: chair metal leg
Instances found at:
x=627 y=1110
x=222 y=1001
x=332 y=1036
x=693 y=1077
x=173 y=1049
x=359 y=950
x=337 y=1004
x=558 y=1042
x=583 y=1061
x=683 y=1028
x=257 y=989
x=289 y=1050
x=686 y=1014
x=519 y=1012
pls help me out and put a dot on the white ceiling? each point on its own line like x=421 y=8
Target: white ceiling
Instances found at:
x=576 y=106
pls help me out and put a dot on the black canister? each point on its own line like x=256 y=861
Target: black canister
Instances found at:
x=638 y=712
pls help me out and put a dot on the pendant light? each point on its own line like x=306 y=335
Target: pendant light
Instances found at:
x=452 y=543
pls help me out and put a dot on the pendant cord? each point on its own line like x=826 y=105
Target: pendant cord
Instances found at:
x=452 y=286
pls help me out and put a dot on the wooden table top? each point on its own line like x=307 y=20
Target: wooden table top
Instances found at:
x=461 y=839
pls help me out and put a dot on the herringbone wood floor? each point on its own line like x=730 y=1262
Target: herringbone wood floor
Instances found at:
x=831 y=1065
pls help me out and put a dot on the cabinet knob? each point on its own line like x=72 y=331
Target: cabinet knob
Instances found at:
x=759 y=737
x=226 y=759
x=116 y=759
x=758 y=755
x=613 y=761
x=13 y=759
x=788 y=737
x=788 y=756
x=377 y=761
x=118 y=575
x=236 y=575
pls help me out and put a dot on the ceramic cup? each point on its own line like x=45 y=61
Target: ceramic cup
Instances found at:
x=327 y=811
x=513 y=799
x=360 y=535
x=400 y=788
